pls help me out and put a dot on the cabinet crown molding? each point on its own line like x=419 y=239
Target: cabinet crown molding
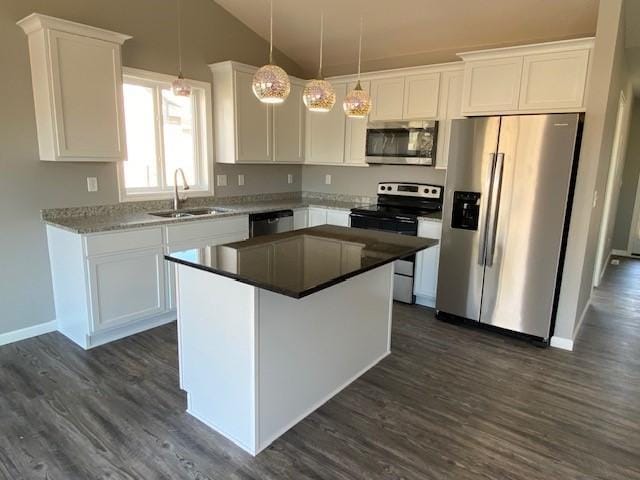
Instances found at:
x=36 y=22
x=529 y=49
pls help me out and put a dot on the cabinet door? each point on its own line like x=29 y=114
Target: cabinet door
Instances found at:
x=356 y=134
x=421 y=96
x=288 y=127
x=492 y=86
x=337 y=217
x=388 y=99
x=317 y=216
x=253 y=129
x=450 y=108
x=126 y=287
x=87 y=96
x=426 y=271
x=325 y=132
x=300 y=218
x=554 y=80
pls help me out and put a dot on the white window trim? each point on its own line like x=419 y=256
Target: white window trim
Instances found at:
x=206 y=131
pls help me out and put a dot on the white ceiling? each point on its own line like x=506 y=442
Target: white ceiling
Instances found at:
x=410 y=32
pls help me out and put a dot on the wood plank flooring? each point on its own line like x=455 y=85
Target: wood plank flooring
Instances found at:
x=450 y=403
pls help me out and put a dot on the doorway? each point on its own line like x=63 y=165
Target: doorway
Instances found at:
x=612 y=192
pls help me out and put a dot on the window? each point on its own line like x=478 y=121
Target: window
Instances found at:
x=164 y=132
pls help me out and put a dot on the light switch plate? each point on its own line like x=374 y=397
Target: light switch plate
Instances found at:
x=289 y=178
x=327 y=179
x=221 y=180
x=92 y=184
x=240 y=179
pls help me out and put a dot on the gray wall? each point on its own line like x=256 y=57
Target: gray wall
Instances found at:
x=608 y=77
x=630 y=176
x=364 y=180
x=27 y=185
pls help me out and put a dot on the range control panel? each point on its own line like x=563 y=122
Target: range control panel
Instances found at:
x=420 y=190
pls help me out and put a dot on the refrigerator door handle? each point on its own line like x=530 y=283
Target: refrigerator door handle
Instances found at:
x=482 y=251
x=492 y=220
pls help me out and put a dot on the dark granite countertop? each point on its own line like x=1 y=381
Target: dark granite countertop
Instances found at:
x=301 y=262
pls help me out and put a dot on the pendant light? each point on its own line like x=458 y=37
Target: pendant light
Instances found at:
x=357 y=103
x=319 y=95
x=180 y=86
x=271 y=83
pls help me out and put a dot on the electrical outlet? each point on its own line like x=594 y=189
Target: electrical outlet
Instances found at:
x=327 y=179
x=289 y=178
x=92 y=184
x=240 y=179
x=221 y=180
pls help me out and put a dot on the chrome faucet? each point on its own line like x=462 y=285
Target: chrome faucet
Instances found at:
x=185 y=186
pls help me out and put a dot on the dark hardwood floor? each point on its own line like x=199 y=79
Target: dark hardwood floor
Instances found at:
x=450 y=403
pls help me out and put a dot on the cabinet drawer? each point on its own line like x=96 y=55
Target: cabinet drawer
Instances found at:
x=207 y=228
x=123 y=241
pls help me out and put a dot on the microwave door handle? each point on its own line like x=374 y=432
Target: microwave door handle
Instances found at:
x=482 y=251
x=495 y=209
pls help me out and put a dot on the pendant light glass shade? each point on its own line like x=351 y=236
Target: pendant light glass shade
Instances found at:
x=180 y=87
x=271 y=83
x=357 y=103
x=318 y=94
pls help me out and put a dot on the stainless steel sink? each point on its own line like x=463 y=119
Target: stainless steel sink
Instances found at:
x=191 y=212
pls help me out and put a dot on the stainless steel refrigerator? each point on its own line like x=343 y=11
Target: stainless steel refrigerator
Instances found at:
x=505 y=217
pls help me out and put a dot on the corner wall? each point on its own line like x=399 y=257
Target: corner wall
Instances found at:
x=608 y=78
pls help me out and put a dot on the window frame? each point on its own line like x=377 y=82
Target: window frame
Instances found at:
x=203 y=133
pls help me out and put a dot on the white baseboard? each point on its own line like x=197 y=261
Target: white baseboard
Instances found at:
x=426 y=301
x=621 y=253
x=576 y=329
x=563 y=343
x=24 y=333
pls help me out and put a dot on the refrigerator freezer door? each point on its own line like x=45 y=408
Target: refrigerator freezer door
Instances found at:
x=534 y=161
x=471 y=159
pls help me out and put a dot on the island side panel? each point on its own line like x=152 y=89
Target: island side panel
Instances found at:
x=216 y=319
x=310 y=349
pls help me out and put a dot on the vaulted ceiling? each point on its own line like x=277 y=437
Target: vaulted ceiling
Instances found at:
x=410 y=32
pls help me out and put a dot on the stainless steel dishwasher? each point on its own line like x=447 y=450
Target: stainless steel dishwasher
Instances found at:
x=270 y=222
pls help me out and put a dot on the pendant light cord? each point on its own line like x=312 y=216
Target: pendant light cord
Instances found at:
x=321 y=41
x=271 y=32
x=179 y=39
x=360 y=48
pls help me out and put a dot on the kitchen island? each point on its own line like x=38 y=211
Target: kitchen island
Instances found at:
x=272 y=327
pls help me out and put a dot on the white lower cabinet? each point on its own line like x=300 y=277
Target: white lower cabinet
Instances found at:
x=300 y=218
x=111 y=285
x=126 y=287
x=328 y=216
x=426 y=270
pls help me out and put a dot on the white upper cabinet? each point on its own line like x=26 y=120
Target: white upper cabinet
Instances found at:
x=421 y=96
x=554 y=80
x=77 y=88
x=547 y=77
x=355 y=134
x=248 y=131
x=253 y=123
x=492 y=85
x=387 y=95
x=450 y=108
x=325 y=132
x=288 y=127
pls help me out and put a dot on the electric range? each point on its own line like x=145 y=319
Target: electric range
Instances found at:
x=397 y=210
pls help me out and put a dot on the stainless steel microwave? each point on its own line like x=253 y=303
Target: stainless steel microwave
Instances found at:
x=402 y=143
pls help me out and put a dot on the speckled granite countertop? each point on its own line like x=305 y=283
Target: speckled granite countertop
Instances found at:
x=95 y=223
